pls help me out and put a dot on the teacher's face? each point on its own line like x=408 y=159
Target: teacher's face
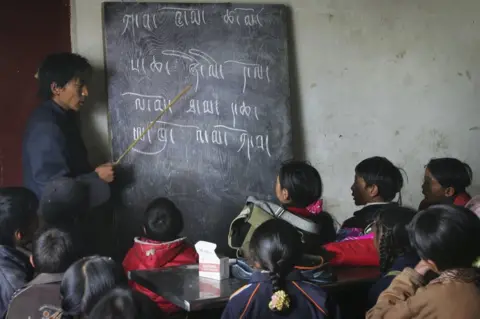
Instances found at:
x=72 y=95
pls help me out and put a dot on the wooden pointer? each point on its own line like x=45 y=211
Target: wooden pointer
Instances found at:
x=185 y=90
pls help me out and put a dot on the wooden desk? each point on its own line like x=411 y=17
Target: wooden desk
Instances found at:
x=183 y=287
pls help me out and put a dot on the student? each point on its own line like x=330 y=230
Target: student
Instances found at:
x=377 y=182
x=299 y=189
x=86 y=281
x=275 y=290
x=161 y=247
x=117 y=304
x=393 y=246
x=445 y=182
x=54 y=250
x=445 y=238
x=18 y=221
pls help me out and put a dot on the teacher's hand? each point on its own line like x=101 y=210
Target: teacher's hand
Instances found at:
x=105 y=172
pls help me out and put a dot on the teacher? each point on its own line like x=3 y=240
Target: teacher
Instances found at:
x=52 y=144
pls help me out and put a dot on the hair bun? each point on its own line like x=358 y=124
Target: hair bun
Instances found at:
x=280 y=301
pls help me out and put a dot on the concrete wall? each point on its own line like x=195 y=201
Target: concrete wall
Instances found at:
x=394 y=78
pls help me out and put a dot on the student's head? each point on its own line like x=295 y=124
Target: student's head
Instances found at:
x=474 y=205
x=446 y=237
x=54 y=250
x=117 y=304
x=391 y=234
x=298 y=184
x=445 y=178
x=275 y=247
x=376 y=180
x=63 y=78
x=18 y=215
x=163 y=221
x=86 y=281
x=63 y=201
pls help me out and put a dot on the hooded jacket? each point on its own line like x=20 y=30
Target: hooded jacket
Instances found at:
x=148 y=254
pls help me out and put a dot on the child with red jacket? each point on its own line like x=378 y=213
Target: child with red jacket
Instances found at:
x=161 y=247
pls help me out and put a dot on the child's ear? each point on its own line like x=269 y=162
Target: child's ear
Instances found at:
x=31 y=261
x=449 y=191
x=373 y=190
x=18 y=235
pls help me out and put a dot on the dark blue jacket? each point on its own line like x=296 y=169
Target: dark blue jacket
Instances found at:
x=52 y=147
x=402 y=262
x=307 y=300
x=15 y=272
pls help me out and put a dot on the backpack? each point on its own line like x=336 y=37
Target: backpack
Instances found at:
x=255 y=213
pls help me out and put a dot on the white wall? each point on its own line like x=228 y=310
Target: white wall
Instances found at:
x=376 y=77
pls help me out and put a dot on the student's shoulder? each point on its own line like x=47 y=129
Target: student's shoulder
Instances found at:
x=245 y=292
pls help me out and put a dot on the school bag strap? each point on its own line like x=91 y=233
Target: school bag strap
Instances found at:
x=256 y=212
x=281 y=213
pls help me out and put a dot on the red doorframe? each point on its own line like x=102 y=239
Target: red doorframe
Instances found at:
x=29 y=30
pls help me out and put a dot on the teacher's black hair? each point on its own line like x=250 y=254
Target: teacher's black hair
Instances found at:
x=61 y=68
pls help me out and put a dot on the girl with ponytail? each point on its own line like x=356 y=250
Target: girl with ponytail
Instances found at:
x=276 y=290
x=393 y=246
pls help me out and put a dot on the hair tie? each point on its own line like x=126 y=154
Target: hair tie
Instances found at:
x=280 y=301
x=316 y=207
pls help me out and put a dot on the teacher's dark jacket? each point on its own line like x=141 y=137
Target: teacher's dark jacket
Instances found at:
x=53 y=147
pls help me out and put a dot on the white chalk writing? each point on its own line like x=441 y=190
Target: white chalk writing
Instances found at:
x=252 y=71
x=214 y=137
x=243 y=16
x=244 y=110
x=203 y=107
x=261 y=142
x=187 y=16
x=151 y=103
x=132 y=22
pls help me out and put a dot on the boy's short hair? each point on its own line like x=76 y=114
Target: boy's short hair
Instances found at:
x=451 y=172
x=381 y=172
x=18 y=210
x=447 y=235
x=163 y=220
x=54 y=250
x=61 y=68
x=302 y=181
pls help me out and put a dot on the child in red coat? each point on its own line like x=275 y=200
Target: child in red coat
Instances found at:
x=161 y=246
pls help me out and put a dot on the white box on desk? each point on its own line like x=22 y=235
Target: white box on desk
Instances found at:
x=209 y=264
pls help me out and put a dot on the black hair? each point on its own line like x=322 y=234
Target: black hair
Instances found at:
x=18 y=210
x=327 y=230
x=450 y=172
x=117 y=304
x=391 y=226
x=302 y=181
x=163 y=220
x=61 y=68
x=447 y=235
x=276 y=246
x=86 y=281
x=54 y=250
x=381 y=172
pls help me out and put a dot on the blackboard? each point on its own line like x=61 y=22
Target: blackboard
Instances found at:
x=225 y=139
